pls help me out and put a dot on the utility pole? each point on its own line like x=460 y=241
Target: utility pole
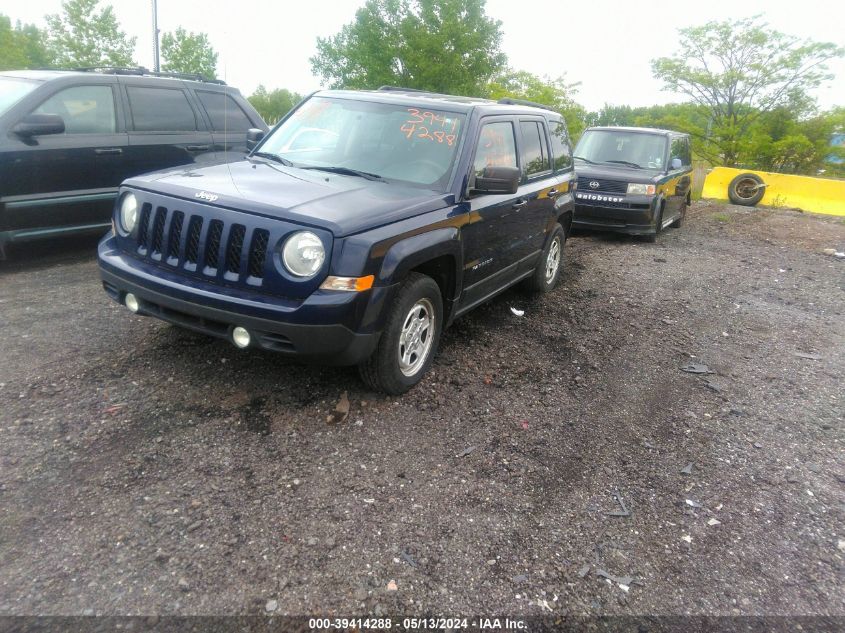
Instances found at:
x=156 y=66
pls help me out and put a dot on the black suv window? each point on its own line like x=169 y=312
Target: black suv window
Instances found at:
x=224 y=112
x=496 y=147
x=161 y=110
x=84 y=109
x=535 y=153
x=560 y=145
x=680 y=149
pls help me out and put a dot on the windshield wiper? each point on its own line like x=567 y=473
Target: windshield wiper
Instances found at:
x=274 y=157
x=624 y=162
x=586 y=160
x=346 y=171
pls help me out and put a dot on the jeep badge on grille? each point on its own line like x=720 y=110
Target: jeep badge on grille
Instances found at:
x=204 y=195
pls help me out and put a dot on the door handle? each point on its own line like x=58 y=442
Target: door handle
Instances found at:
x=108 y=151
x=519 y=204
x=197 y=148
x=552 y=193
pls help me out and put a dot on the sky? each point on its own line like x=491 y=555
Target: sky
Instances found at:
x=605 y=45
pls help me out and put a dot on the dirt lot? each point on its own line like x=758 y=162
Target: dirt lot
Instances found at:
x=145 y=470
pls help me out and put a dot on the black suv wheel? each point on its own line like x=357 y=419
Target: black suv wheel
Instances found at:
x=409 y=341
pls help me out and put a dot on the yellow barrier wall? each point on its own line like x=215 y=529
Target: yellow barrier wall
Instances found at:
x=816 y=195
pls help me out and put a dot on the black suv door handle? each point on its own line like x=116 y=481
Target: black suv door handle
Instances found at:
x=108 y=151
x=520 y=203
x=197 y=148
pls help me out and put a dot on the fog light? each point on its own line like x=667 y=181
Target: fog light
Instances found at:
x=131 y=302
x=240 y=337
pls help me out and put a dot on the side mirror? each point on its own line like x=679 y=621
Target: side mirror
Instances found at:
x=39 y=125
x=498 y=180
x=676 y=163
x=253 y=137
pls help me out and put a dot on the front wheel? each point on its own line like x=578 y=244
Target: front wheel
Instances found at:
x=682 y=214
x=549 y=267
x=410 y=338
x=658 y=227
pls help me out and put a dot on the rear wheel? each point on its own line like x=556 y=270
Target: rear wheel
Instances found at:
x=550 y=265
x=746 y=190
x=410 y=338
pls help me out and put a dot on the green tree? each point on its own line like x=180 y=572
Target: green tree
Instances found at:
x=83 y=36
x=184 y=52
x=21 y=46
x=555 y=93
x=740 y=70
x=272 y=106
x=449 y=46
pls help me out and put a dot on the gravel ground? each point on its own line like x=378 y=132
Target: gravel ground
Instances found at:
x=146 y=470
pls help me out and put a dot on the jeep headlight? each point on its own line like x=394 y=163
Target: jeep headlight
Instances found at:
x=640 y=190
x=303 y=254
x=128 y=216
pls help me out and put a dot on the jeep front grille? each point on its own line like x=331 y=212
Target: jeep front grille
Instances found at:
x=212 y=247
x=190 y=242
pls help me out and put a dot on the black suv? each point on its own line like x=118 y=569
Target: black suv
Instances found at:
x=69 y=138
x=354 y=232
x=632 y=180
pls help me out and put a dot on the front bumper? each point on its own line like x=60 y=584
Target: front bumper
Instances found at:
x=633 y=215
x=332 y=328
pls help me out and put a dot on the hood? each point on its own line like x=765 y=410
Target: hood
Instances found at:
x=618 y=172
x=341 y=204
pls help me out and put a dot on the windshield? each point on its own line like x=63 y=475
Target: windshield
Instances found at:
x=416 y=146
x=13 y=90
x=630 y=149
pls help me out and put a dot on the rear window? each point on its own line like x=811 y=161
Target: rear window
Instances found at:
x=560 y=146
x=535 y=154
x=13 y=90
x=161 y=110
x=225 y=113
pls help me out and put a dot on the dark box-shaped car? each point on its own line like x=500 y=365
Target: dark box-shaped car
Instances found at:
x=632 y=180
x=359 y=227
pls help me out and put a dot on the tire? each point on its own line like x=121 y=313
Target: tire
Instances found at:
x=394 y=367
x=679 y=221
x=745 y=190
x=549 y=266
x=658 y=227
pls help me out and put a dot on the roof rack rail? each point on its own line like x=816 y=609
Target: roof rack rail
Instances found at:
x=141 y=71
x=523 y=102
x=401 y=89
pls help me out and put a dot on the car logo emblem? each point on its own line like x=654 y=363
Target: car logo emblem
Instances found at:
x=204 y=195
x=594 y=184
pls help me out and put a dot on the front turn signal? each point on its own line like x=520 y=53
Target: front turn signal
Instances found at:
x=348 y=284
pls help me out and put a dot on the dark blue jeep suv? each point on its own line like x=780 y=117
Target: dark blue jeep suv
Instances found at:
x=354 y=232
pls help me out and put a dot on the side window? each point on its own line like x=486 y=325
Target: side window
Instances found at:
x=561 y=150
x=496 y=147
x=161 y=110
x=224 y=112
x=535 y=153
x=680 y=149
x=84 y=109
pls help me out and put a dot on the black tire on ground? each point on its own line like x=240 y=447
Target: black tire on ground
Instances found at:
x=679 y=221
x=658 y=227
x=549 y=266
x=417 y=301
x=745 y=190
